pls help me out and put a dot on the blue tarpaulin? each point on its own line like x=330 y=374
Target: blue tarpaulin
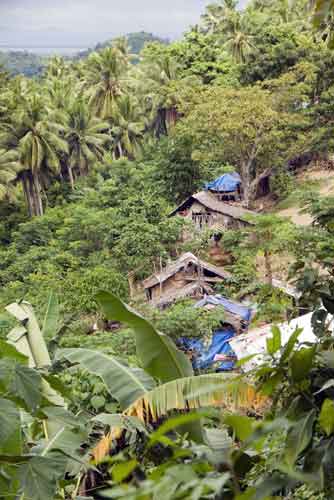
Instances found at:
x=226 y=183
x=191 y=344
x=203 y=358
x=232 y=307
x=219 y=345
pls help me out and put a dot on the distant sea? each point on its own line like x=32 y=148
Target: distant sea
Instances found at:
x=44 y=51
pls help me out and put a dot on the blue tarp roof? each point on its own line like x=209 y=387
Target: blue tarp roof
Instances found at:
x=232 y=307
x=204 y=358
x=225 y=183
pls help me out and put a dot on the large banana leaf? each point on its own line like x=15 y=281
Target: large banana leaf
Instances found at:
x=52 y=317
x=24 y=313
x=28 y=340
x=124 y=383
x=157 y=352
x=197 y=392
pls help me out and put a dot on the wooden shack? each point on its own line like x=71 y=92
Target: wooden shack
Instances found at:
x=207 y=211
x=189 y=276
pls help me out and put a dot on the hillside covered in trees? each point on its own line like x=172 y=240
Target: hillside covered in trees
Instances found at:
x=197 y=186
x=18 y=62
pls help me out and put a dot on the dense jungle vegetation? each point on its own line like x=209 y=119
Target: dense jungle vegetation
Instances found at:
x=96 y=401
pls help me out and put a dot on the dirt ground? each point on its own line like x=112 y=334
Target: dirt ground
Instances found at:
x=326 y=177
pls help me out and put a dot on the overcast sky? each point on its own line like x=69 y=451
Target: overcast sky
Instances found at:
x=85 y=22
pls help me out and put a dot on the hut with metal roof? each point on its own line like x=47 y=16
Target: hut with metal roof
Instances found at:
x=208 y=212
x=188 y=276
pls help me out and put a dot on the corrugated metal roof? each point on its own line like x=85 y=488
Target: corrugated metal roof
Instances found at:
x=229 y=305
x=176 y=266
x=180 y=293
x=209 y=200
x=255 y=341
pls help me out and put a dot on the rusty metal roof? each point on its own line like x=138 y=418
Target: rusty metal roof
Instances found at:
x=209 y=200
x=182 y=262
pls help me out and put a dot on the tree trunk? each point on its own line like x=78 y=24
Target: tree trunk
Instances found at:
x=245 y=175
x=246 y=168
x=70 y=176
x=37 y=193
x=255 y=183
x=161 y=123
x=120 y=150
x=267 y=265
x=27 y=195
x=32 y=194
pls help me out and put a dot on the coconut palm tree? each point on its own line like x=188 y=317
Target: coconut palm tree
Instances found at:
x=59 y=92
x=156 y=87
x=128 y=127
x=105 y=72
x=122 y=46
x=238 y=41
x=9 y=169
x=86 y=136
x=35 y=137
x=218 y=16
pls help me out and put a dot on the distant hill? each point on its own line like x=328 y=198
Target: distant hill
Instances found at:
x=32 y=65
x=136 y=43
x=22 y=62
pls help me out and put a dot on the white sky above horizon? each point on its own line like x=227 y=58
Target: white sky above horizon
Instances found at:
x=85 y=22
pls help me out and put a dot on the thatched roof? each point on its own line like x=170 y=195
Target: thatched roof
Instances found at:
x=182 y=262
x=209 y=201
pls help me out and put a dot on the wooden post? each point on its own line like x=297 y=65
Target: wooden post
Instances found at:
x=160 y=282
x=131 y=279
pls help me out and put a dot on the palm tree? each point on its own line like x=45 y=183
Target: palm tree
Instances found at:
x=218 y=16
x=155 y=85
x=9 y=168
x=57 y=67
x=238 y=42
x=86 y=136
x=60 y=92
x=105 y=80
x=282 y=11
x=35 y=137
x=122 y=46
x=128 y=128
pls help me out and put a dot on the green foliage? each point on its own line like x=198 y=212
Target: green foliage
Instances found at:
x=243 y=127
x=273 y=304
x=282 y=184
x=156 y=352
x=183 y=319
x=96 y=151
x=125 y=384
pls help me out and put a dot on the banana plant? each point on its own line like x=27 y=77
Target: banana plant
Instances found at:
x=31 y=465
x=28 y=339
x=176 y=388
